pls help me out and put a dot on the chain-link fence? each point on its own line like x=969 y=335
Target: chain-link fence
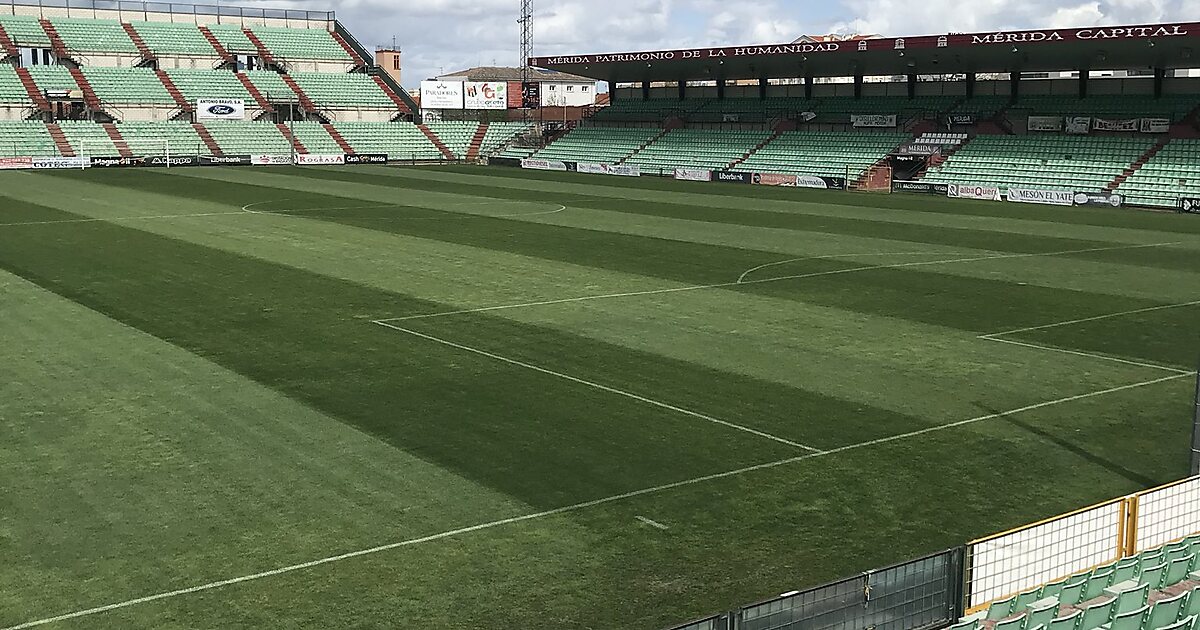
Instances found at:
x=1165 y=514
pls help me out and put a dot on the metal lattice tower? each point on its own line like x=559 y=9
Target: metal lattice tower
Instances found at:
x=526 y=23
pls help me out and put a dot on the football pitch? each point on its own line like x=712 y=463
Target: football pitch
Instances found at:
x=458 y=397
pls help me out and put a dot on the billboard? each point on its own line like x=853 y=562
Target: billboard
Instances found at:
x=531 y=95
x=485 y=95
x=442 y=94
x=220 y=109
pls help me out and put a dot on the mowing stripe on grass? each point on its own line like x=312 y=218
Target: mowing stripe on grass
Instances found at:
x=160 y=216
x=605 y=388
x=578 y=506
x=741 y=282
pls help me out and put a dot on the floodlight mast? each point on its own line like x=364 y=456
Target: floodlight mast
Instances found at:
x=526 y=22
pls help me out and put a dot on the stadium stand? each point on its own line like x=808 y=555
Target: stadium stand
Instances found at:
x=196 y=84
x=166 y=38
x=236 y=137
x=11 y=89
x=400 y=140
x=1050 y=162
x=25 y=31
x=315 y=138
x=456 y=136
x=25 y=137
x=1154 y=590
x=94 y=35
x=128 y=86
x=232 y=38
x=146 y=138
x=79 y=132
x=1171 y=173
x=53 y=78
x=300 y=43
x=1173 y=107
x=328 y=89
x=698 y=149
x=499 y=134
x=608 y=145
x=823 y=154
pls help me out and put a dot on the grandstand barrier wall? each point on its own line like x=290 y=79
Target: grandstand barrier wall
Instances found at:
x=1027 y=557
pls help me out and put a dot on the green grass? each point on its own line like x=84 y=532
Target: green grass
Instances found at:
x=190 y=399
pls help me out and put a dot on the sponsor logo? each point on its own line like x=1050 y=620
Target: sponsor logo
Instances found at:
x=321 y=158
x=1190 y=205
x=1048 y=197
x=873 y=120
x=225 y=160
x=117 y=162
x=920 y=149
x=271 y=160
x=61 y=162
x=182 y=160
x=221 y=110
x=1098 y=199
x=367 y=158
x=959 y=191
x=733 y=176
x=693 y=175
x=961 y=119
x=773 y=179
x=809 y=181
x=543 y=165
x=16 y=162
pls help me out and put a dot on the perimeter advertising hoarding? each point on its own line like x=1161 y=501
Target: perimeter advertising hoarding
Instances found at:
x=485 y=95
x=966 y=191
x=1190 y=205
x=321 y=158
x=921 y=187
x=1047 y=197
x=693 y=175
x=15 y=162
x=736 y=177
x=1098 y=199
x=442 y=94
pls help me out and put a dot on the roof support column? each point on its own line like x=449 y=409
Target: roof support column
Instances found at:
x=645 y=90
x=1160 y=75
x=970 y=85
x=808 y=83
x=721 y=89
x=1014 y=82
x=912 y=86
x=762 y=89
x=858 y=83
x=1084 y=76
x=682 y=90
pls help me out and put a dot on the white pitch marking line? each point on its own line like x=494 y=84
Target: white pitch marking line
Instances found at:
x=1093 y=319
x=1079 y=353
x=604 y=388
x=299 y=212
x=160 y=216
x=742 y=278
x=724 y=285
x=652 y=523
x=573 y=508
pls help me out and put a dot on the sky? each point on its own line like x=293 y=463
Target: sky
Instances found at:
x=443 y=36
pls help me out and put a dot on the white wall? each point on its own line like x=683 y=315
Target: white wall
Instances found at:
x=561 y=94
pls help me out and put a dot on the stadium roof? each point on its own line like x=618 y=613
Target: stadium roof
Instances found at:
x=494 y=73
x=1046 y=50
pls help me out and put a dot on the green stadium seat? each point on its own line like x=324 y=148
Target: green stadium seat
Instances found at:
x=399 y=140
x=147 y=138
x=300 y=43
x=332 y=89
x=1188 y=623
x=1072 y=594
x=1153 y=575
x=167 y=38
x=11 y=88
x=1000 y=609
x=25 y=31
x=1167 y=611
x=1132 y=599
x=127 y=85
x=1177 y=571
x=1041 y=617
x=1069 y=622
x=1096 y=616
x=1010 y=624
x=20 y=138
x=1131 y=620
x=456 y=136
x=94 y=35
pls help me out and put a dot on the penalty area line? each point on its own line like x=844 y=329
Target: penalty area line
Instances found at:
x=598 y=386
x=577 y=506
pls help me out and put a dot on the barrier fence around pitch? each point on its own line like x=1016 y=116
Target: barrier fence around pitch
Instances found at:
x=1028 y=557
